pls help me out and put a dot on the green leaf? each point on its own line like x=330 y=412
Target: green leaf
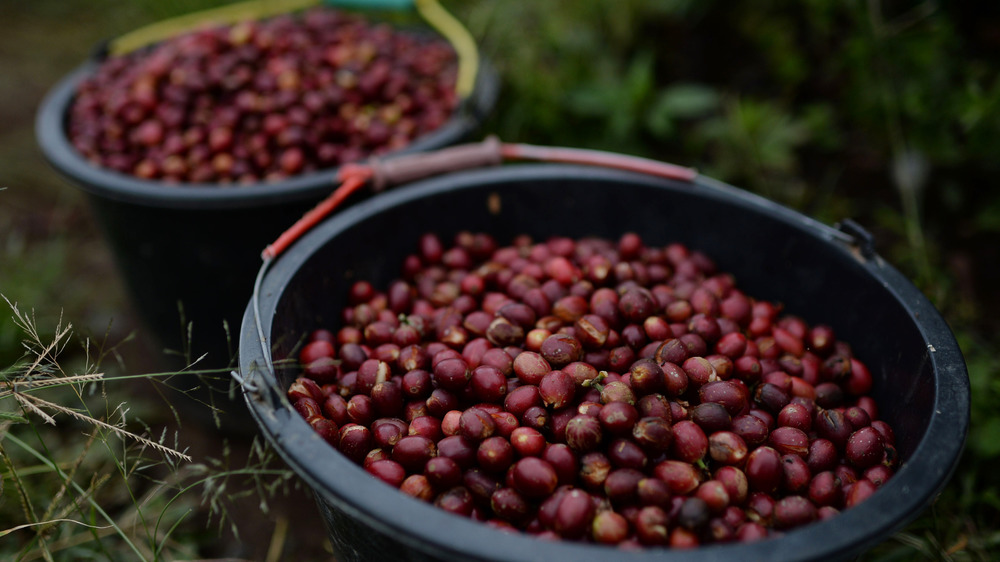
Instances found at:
x=985 y=439
x=988 y=217
x=660 y=123
x=686 y=101
x=591 y=100
x=639 y=78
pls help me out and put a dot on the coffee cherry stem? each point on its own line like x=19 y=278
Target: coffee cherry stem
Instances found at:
x=595 y=382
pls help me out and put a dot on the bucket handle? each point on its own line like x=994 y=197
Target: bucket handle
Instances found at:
x=430 y=10
x=860 y=237
x=381 y=173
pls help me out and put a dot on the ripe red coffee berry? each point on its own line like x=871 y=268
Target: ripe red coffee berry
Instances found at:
x=652 y=525
x=653 y=434
x=764 y=470
x=443 y=472
x=574 y=515
x=534 y=477
x=859 y=492
x=789 y=440
x=495 y=454
x=316 y=350
x=557 y=389
x=681 y=477
x=561 y=349
x=609 y=527
x=476 y=424
x=509 y=505
x=530 y=367
x=584 y=433
x=413 y=452
x=690 y=444
x=527 y=442
x=794 y=511
x=618 y=418
x=865 y=447
x=646 y=377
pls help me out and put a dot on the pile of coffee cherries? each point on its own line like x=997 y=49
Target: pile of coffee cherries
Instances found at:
x=594 y=390
x=263 y=100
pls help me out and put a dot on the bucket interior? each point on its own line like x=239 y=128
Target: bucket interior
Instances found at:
x=774 y=253
x=815 y=278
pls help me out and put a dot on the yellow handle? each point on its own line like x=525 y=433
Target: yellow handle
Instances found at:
x=223 y=15
x=432 y=12
x=459 y=37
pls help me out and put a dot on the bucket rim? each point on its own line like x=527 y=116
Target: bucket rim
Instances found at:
x=425 y=527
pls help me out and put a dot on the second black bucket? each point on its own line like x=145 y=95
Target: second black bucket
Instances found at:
x=819 y=273
x=189 y=254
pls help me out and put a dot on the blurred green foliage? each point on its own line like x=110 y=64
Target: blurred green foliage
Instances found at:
x=747 y=90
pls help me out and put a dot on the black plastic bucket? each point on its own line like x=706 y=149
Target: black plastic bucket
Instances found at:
x=198 y=245
x=819 y=273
